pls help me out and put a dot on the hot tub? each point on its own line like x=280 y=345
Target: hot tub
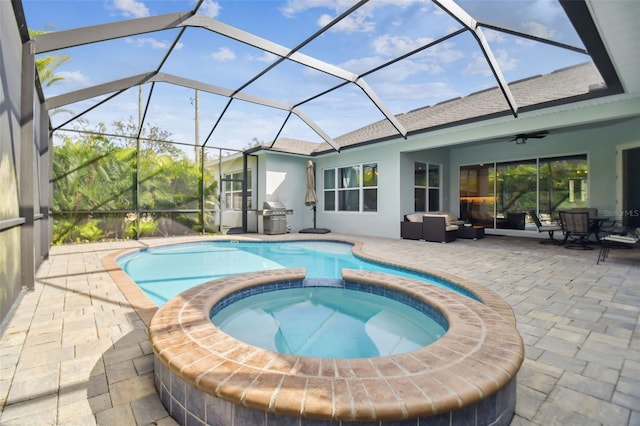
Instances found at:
x=205 y=376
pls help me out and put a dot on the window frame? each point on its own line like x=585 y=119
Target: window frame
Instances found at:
x=336 y=191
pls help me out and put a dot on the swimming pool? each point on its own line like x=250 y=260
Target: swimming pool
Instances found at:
x=201 y=372
x=165 y=271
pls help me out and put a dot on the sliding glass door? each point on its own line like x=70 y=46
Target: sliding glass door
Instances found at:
x=516 y=193
x=502 y=195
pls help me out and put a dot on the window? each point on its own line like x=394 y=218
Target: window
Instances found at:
x=426 y=187
x=351 y=188
x=233 y=190
x=503 y=194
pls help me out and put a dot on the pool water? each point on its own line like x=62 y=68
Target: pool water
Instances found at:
x=164 y=272
x=328 y=322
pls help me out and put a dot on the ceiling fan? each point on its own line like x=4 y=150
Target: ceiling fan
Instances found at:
x=521 y=138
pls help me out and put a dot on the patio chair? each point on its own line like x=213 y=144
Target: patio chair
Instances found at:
x=593 y=212
x=411 y=226
x=550 y=228
x=627 y=241
x=575 y=226
x=435 y=229
x=597 y=224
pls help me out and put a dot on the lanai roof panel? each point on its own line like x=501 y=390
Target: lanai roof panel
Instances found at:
x=367 y=36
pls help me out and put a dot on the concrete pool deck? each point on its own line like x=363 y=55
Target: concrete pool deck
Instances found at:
x=76 y=352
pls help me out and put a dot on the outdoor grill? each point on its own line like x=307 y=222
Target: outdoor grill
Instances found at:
x=274 y=217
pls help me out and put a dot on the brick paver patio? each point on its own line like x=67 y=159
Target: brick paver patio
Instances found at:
x=74 y=351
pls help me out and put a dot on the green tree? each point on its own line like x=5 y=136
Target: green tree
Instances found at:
x=91 y=174
x=94 y=189
x=154 y=137
x=47 y=65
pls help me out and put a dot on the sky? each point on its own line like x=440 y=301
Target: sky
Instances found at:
x=373 y=35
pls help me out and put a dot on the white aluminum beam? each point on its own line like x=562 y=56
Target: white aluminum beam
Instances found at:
x=237 y=34
x=80 y=36
x=77 y=37
x=266 y=45
x=316 y=129
x=191 y=84
x=93 y=34
x=469 y=22
x=497 y=72
x=216 y=90
x=98 y=90
x=383 y=109
x=126 y=83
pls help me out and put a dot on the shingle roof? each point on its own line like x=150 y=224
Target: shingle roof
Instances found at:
x=295 y=146
x=565 y=83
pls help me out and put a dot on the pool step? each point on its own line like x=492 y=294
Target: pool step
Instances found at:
x=323 y=282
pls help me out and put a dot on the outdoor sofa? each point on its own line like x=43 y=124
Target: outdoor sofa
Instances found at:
x=432 y=226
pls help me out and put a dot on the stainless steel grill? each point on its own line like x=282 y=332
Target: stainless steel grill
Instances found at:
x=274 y=217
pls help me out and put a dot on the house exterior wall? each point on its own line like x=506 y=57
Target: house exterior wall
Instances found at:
x=283 y=179
x=595 y=130
x=438 y=156
x=10 y=245
x=384 y=222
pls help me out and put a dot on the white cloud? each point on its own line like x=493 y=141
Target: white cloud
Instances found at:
x=426 y=93
x=389 y=45
x=151 y=42
x=538 y=29
x=493 y=36
x=505 y=62
x=445 y=53
x=210 y=8
x=223 y=54
x=393 y=46
x=479 y=65
x=294 y=7
x=354 y=23
x=396 y=73
x=544 y=10
x=74 y=79
x=359 y=21
x=428 y=61
x=406 y=69
x=361 y=65
x=265 y=57
x=131 y=8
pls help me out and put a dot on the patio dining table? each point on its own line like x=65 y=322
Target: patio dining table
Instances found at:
x=595 y=225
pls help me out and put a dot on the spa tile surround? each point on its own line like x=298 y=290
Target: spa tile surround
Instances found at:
x=205 y=376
